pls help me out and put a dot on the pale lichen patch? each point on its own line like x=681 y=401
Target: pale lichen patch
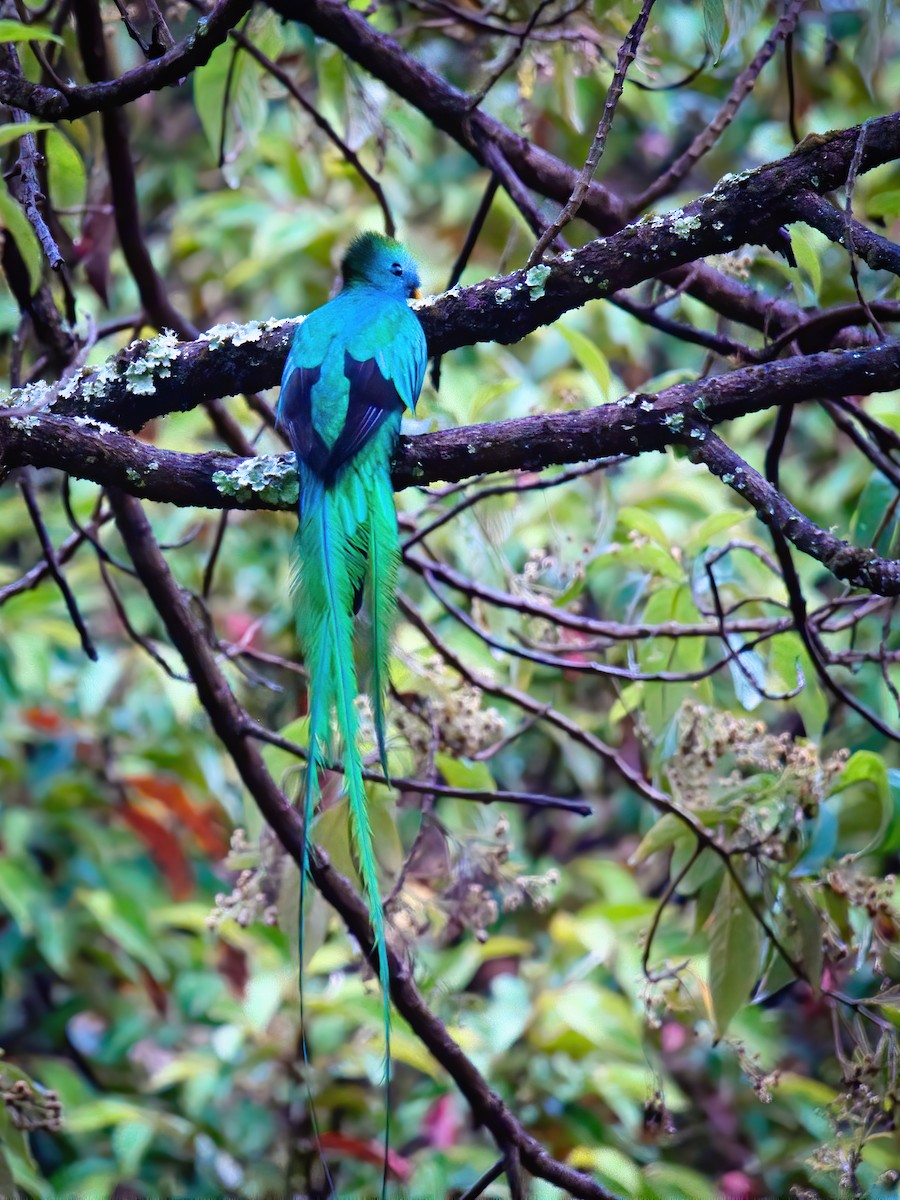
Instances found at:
x=94 y=425
x=536 y=277
x=239 y=334
x=155 y=363
x=683 y=226
x=26 y=423
x=271 y=478
x=32 y=395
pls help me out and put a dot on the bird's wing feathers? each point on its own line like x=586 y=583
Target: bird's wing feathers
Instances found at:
x=295 y=416
x=379 y=386
x=403 y=357
x=372 y=398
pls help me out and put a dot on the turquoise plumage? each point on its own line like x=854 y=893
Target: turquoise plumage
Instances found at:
x=354 y=366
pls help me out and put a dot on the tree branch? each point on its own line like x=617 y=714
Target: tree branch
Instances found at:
x=448 y=109
x=52 y=104
x=679 y=415
x=877 y=251
x=230 y=723
x=149 y=380
x=861 y=567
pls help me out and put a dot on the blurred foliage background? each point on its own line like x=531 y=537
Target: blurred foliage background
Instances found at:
x=148 y=925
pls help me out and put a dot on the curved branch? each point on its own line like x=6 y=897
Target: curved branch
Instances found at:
x=151 y=379
x=449 y=110
x=679 y=415
x=53 y=104
x=231 y=723
x=860 y=567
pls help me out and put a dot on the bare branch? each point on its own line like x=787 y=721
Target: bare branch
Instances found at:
x=740 y=90
x=230 y=723
x=570 y=209
x=53 y=104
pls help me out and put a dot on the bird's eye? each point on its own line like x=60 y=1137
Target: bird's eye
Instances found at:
x=396 y=269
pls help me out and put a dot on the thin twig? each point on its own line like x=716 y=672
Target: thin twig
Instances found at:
x=740 y=90
x=429 y=786
x=511 y=56
x=627 y=52
x=348 y=153
x=54 y=568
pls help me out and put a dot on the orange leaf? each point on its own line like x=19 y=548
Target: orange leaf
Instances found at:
x=368 y=1152
x=165 y=849
x=202 y=820
x=46 y=719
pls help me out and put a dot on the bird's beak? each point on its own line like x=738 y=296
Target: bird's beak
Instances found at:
x=417 y=294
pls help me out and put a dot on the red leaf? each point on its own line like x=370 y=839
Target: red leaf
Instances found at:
x=164 y=848
x=368 y=1152
x=442 y=1123
x=233 y=965
x=202 y=820
x=46 y=719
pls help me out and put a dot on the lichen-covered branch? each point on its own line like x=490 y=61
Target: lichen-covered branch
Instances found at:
x=635 y=424
x=53 y=104
x=150 y=379
x=859 y=566
x=231 y=725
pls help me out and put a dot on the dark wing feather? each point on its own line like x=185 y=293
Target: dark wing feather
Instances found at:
x=295 y=418
x=372 y=398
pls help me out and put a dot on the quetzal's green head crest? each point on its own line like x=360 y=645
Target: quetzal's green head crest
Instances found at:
x=378 y=261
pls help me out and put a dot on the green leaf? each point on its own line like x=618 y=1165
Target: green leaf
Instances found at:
x=807 y=256
x=707 y=866
x=65 y=171
x=130 y=1142
x=809 y=929
x=714 y=26
x=385 y=835
x=885 y=204
x=7 y=1183
x=464 y=773
x=872 y=520
x=121 y=919
x=679 y=1183
x=867 y=767
x=9 y=133
x=639 y=520
x=733 y=955
x=891 y=838
x=102 y=1113
x=238 y=76
x=667 y=830
x=331 y=831
x=705 y=899
x=589 y=356
x=15 y=31
x=870 y=47
x=16 y=223
x=19 y=895
x=614 y=1167
x=742 y=15
x=717 y=523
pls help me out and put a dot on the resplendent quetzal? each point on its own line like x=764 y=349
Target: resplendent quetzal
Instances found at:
x=355 y=364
